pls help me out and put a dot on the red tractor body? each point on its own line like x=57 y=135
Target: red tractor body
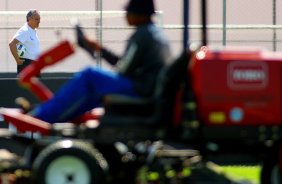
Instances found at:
x=236 y=87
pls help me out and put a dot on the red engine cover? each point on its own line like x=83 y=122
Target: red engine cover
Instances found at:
x=237 y=86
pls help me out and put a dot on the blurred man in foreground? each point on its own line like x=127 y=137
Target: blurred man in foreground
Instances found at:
x=146 y=53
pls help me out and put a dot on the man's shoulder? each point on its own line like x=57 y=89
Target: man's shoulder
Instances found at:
x=22 y=33
x=142 y=31
x=24 y=28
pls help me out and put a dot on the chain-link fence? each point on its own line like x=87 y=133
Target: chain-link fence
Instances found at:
x=240 y=22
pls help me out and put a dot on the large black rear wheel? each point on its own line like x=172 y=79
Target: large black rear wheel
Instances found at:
x=271 y=170
x=69 y=161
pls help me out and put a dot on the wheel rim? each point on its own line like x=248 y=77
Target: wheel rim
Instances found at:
x=68 y=170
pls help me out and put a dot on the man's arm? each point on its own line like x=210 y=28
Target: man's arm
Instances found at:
x=13 y=48
x=106 y=54
x=90 y=45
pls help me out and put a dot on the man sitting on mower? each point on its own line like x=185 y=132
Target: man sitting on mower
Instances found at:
x=146 y=54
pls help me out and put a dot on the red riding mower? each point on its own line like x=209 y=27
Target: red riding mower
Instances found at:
x=99 y=148
x=211 y=104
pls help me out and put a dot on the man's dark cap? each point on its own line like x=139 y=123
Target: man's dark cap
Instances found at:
x=142 y=7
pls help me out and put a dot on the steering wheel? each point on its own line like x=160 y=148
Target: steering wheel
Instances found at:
x=81 y=41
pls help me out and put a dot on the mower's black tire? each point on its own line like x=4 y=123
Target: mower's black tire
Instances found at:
x=271 y=172
x=69 y=161
x=272 y=175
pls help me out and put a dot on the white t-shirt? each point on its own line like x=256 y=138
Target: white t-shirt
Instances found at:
x=28 y=37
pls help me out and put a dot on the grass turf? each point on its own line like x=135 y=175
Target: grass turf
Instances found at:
x=243 y=173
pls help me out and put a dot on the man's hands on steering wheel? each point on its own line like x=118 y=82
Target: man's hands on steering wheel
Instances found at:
x=87 y=44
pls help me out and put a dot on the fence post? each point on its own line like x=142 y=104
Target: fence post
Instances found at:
x=185 y=23
x=99 y=33
x=274 y=36
x=224 y=23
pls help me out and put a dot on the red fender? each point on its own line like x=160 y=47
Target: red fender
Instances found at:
x=24 y=122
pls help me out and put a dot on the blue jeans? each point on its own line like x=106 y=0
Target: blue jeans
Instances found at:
x=82 y=93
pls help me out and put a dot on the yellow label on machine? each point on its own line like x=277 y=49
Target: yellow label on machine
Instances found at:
x=217 y=117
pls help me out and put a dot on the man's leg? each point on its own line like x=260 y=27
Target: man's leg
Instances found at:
x=24 y=65
x=82 y=93
x=26 y=62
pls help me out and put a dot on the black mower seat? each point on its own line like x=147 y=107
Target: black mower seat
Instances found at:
x=123 y=110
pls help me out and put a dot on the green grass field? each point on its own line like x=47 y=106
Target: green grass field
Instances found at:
x=211 y=172
x=243 y=173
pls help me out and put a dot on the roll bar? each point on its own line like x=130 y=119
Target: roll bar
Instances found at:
x=186 y=8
